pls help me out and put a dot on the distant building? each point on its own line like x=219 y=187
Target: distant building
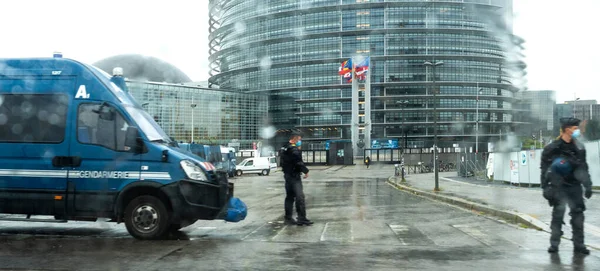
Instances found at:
x=189 y=110
x=292 y=51
x=219 y=117
x=144 y=68
x=541 y=105
x=200 y=84
x=585 y=109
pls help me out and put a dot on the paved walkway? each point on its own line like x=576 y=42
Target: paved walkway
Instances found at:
x=518 y=199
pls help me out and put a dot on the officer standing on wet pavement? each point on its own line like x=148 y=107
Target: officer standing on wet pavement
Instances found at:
x=293 y=167
x=564 y=172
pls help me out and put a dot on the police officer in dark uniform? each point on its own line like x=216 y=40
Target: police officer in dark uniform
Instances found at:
x=564 y=171
x=293 y=166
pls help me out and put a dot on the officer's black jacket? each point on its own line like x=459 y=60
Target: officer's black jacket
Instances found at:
x=291 y=160
x=573 y=152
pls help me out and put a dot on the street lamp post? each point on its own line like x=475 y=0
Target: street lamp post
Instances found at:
x=575 y=107
x=402 y=105
x=435 y=158
x=479 y=92
x=193 y=105
x=174 y=105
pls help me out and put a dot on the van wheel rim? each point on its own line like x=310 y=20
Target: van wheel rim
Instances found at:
x=145 y=218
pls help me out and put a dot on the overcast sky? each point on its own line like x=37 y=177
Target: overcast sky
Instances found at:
x=562 y=43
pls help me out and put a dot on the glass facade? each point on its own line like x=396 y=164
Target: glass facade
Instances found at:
x=292 y=50
x=218 y=116
x=541 y=106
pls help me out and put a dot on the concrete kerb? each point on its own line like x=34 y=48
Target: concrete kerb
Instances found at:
x=509 y=216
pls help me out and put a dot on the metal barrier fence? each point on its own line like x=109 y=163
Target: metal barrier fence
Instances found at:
x=472 y=165
x=389 y=156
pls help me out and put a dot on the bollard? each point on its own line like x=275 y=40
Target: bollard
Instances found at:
x=403 y=173
x=402 y=169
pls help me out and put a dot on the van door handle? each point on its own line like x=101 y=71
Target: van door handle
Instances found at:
x=66 y=161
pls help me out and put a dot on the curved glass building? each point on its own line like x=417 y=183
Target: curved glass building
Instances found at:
x=292 y=50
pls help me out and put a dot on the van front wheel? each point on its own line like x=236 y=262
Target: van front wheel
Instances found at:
x=238 y=172
x=146 y=218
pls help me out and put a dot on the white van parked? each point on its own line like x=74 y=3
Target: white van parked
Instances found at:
x=259 y=165
x=273 y=163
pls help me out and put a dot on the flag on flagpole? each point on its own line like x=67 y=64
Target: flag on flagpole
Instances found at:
x=346 y=70
x=362 y=68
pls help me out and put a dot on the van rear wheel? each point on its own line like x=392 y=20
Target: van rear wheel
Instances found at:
x=264 y=172
x=147 y=218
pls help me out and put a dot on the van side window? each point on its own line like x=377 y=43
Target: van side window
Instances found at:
x=95 y=126
x=250 y=163
x=33 y=118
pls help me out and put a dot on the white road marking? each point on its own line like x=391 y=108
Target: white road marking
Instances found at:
x=474 y=232
x=323 y=233
x=280 y=231
x=254 y=231
x=398 y=231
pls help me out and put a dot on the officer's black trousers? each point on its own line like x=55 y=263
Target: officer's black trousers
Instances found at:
x=293 y=192
x=571 y=195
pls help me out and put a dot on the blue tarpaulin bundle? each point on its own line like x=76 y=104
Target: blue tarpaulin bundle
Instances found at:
x=561 y=166
x=236 y=210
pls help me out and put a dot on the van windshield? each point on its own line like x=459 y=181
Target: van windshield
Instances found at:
x=147 y=124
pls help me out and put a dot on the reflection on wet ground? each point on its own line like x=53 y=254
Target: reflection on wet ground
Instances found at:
x=360 y=224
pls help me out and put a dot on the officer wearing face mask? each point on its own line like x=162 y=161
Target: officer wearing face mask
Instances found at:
x=564 y=175
x=293 y=166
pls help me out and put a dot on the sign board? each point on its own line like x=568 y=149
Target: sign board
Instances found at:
x=523 y=158
x=514 y=171
x=490 y=165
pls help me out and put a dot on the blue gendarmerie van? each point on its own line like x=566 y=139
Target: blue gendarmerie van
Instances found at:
x=76 y=146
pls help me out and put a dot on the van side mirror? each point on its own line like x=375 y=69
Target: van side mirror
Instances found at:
x=132 y=140
x=174 y=142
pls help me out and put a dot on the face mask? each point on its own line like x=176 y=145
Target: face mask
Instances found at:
x=299 y=143
x=576 y=133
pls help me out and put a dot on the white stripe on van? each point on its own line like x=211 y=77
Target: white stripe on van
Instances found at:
x=155 y=175
x=32 y=173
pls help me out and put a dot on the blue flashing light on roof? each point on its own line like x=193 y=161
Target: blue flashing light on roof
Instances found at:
x=57 y=55
x=118 y=79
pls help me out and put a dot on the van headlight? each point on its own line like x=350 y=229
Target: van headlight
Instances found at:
x=193 y=171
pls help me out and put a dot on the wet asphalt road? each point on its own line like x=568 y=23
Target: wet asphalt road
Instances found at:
x=361 y=223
